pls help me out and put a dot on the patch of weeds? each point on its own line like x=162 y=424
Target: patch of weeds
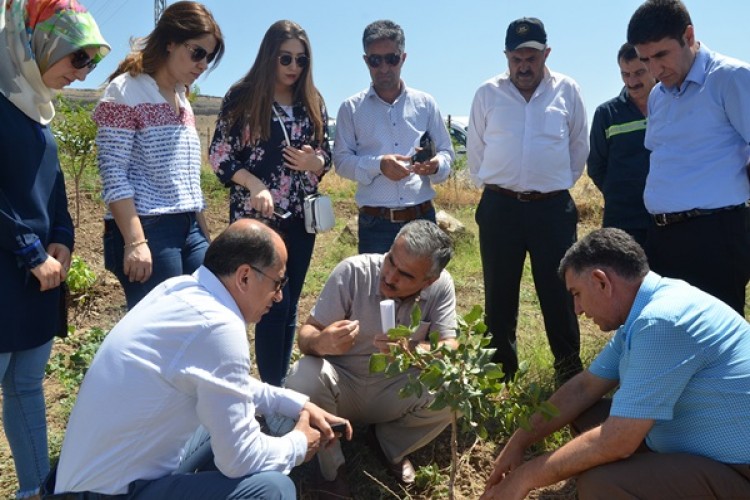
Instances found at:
x=429 y=478
x=70 y=368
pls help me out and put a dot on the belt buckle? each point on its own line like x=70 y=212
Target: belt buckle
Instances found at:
x=391 y=211
x=661 y=220
x=523 y=196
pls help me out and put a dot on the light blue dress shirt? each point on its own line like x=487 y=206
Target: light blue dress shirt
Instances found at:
x=698 y=134
x=683 y=359
x=368 y=128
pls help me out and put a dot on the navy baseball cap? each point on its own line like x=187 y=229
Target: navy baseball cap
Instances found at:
x=526 y=32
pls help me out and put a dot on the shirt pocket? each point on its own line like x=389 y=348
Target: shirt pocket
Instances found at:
x=555 y=123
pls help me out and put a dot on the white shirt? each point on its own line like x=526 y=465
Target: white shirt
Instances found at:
x=540 y=145
x=178 y=359
x=368 y=128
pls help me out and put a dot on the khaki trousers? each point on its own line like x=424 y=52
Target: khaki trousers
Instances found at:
x=402 y=425
x=648 y=475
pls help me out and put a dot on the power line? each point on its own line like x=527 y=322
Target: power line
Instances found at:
x=159 y=6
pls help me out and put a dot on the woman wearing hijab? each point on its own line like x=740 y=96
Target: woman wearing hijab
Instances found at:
x=149 y=152
x=270 y=148
x=45 y=46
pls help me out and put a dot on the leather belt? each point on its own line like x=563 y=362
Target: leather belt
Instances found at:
x=662 y=220
x=523 y=195
x=398 y=214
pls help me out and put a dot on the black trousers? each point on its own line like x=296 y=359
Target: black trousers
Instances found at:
x=711 y=252
x=545 y=229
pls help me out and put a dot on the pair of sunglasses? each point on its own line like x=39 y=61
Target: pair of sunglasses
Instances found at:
x=375 y=60
x=81 y=59
x=278 y=284
x=197 y=53
x=302 y=60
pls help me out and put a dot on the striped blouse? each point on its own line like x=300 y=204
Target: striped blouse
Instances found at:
x=145 y=150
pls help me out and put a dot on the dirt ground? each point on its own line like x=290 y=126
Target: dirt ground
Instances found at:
x=367 y=477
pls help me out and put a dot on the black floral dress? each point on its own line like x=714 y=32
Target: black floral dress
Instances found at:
x=231 y=151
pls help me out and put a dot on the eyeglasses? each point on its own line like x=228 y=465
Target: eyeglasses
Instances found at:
x=375 y=60
x=278 y=284
x=81 y=59
x=302 y=60
x=197 y=53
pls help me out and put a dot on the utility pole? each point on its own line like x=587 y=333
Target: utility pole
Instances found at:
x=159 y=6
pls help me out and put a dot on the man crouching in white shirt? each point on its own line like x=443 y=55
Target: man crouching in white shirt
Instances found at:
x=179 y=360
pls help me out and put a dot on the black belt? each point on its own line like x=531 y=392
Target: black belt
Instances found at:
x=398 y=214
x=662 y=220
x=523 y=195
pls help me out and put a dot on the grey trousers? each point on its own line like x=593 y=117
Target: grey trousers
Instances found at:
x=402 y=425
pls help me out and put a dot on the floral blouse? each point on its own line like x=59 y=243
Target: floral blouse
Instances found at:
x=230 y=152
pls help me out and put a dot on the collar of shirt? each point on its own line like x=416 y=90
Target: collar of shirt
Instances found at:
x=697 y=73
x=372 y=94
x=216 y=288
x=642 y=298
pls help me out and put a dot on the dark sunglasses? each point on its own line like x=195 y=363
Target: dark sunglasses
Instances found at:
x=197 y=53
x=302 y=60
x=278 y=284
x=375 y=60
x=81 y=59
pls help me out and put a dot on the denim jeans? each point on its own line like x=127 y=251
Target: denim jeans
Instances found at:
x=177 y=247
x=376 y=234
x=197 y=478
x=274 y=333
x=24 y=416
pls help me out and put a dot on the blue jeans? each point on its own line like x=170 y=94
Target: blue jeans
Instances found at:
x=177 y=247
x=197 y=477
x=24 y=416
x=274 y=333
x=376 y=234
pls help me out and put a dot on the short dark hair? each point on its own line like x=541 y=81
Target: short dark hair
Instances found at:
x=609 y=248
x=626 y=53
x=384 y=30
x=658 y=19
x=235 y=246
x=424 y=239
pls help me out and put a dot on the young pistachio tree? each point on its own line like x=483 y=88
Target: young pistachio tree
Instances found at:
x=463 y=379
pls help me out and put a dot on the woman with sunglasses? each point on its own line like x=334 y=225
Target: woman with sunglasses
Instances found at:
x=149 y=152
x=270 y=147
x=46 y=45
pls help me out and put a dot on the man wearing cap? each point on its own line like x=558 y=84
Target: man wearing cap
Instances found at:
x=377 y=132
x=698 y=134
x=618 y=161
x=527 y=145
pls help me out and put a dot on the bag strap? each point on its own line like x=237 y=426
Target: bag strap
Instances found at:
x=283 y=127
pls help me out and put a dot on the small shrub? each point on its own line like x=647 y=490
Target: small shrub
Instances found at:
x=80 y=278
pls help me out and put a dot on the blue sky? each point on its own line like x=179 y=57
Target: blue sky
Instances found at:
x=452 y=46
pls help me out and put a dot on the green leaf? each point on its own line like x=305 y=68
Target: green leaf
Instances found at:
x=400 y=332
x=416 y=316
x=378 y=362
x=474 y=315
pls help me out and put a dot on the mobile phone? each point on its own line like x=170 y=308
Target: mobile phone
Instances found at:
x=281 y=213
x=339 y=429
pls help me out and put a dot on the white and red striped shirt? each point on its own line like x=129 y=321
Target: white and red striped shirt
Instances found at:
x=145 y=150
